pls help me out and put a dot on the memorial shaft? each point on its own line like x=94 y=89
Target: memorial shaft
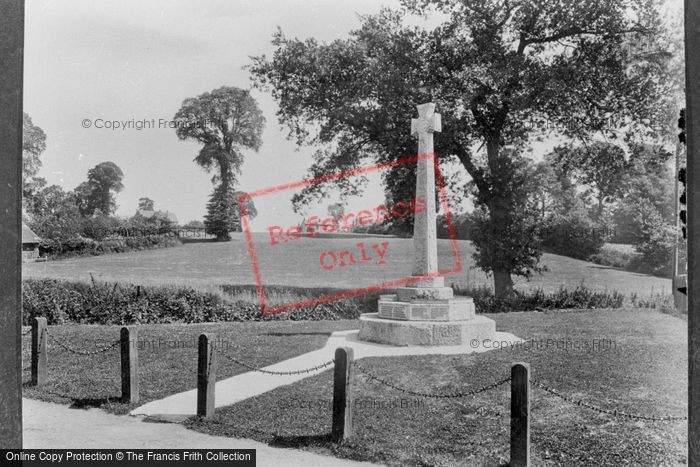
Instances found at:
x=425 y=259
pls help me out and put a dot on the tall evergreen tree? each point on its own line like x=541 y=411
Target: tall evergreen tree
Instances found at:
x=226 y=121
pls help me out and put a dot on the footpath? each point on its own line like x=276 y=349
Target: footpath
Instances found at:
x=48 y=425
x=240 y=387
x=54 y=426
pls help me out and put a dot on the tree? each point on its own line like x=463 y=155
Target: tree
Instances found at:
x=194 y=224
x=600 y=167
x=224 y=214
x=250 y=209
x=648 y=194
x=226 y=121
x=655 y=239
x=33 y=144
x=499 y=71
x=336 y=211
x=515 y=243
x=104 y=180
x=55 y=216
x=81 y=198
x=146 y=204
x=221 y=215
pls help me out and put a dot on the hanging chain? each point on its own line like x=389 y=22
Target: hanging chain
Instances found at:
x=278 y=373
x=453 y=395
x=82 y=352
x=614 y=412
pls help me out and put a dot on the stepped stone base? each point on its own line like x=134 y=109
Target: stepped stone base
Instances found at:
x=420 y=309
x=407 y=294
x=433 y=333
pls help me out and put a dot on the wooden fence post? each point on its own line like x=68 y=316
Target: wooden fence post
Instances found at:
x=39 y=351
x=520 y=415
x=342 y=395
x=130 y=364
x=206 y=376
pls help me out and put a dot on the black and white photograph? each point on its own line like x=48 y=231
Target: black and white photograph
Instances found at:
x=350 y=233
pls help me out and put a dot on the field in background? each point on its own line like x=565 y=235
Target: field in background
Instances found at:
x=297 y=264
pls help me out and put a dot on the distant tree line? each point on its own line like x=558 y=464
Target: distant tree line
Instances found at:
x=78 y=221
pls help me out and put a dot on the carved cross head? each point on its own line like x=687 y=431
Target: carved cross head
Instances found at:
x=427 y=122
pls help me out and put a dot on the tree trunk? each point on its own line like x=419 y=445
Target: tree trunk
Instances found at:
x=499 y=214
x=502 y=283
x=223 y=237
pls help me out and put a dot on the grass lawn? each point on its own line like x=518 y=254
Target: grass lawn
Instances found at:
x=167 y=358
x=296 y=263
x=638 y=365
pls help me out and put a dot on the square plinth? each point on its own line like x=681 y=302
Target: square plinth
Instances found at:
x=409 y=294
x=429 y=333
x=454 y=309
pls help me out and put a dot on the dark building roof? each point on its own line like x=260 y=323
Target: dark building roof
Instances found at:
x=28 y=236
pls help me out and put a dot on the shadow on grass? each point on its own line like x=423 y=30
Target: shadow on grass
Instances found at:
x=285 y=334
x=89 y=403
x=75 y=402
x=185 y=241
x=296 y=441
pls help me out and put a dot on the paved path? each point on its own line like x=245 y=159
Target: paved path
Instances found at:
x=53 y=426
x=246 y=385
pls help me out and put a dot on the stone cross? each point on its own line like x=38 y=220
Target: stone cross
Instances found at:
x=425 y=260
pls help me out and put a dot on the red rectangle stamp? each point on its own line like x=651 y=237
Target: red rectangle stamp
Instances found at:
x=363 y=253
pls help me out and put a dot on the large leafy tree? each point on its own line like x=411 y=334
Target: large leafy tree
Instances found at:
x=649 y=196
x=600 y=168
x=55 y=216
x=146 y=204
x=33 y=144
x=226 y=121
x=500 y=71
x=98 y=192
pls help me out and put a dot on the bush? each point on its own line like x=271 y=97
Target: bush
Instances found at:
x=613 y=258
x=119 y=304
x=579 y=298
x=102 y=303
x=99 y=227
x=656 y=251
x=575 y=236
x=80 y=246
x=461 y=223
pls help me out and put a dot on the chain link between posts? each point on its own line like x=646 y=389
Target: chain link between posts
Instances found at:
x=613 y=412
x=65 y=346
x=453 y=395
x=27 y=332
x=277 y=373
x=372 y=377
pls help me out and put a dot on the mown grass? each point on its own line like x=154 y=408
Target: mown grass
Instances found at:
x=167 y=358
x=638 y=365
x=204 y=264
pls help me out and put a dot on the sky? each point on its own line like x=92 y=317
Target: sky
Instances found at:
x=96 y=62
x=88 y=63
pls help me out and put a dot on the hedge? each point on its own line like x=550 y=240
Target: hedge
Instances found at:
x=102 y=303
